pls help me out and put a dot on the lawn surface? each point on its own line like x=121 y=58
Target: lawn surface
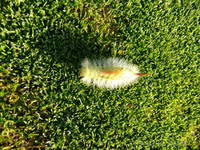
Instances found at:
x=44 y=105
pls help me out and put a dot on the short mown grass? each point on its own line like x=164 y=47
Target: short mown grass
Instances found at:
x=45 y=106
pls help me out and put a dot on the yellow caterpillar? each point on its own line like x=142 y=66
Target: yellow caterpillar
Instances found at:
x=109 y=73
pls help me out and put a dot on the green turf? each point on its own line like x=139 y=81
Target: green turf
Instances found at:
x=44 y=104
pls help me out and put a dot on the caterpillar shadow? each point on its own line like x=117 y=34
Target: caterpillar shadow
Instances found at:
x=70 y=47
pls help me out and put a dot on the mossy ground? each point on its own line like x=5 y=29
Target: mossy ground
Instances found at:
x=43 y=102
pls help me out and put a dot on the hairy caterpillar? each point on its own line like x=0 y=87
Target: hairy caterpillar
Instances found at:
x=109 y=73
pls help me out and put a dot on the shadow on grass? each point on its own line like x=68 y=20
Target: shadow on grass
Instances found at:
x=60 y=52
x=70 y=46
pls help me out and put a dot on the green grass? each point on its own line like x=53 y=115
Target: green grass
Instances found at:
x=44 y=104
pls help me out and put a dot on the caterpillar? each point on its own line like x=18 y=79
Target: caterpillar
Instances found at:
x=109 y=73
